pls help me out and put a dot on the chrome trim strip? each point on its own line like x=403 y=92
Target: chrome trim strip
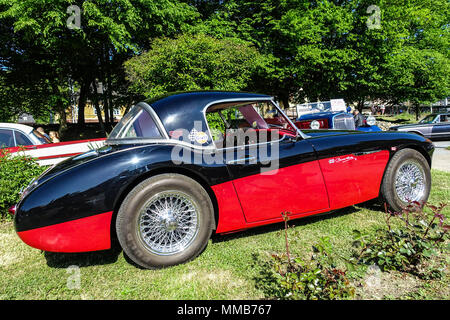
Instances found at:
x=362 y=153
x=157 y=141
x=241 y=160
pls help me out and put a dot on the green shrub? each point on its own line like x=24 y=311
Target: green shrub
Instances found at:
x=408 y=244
x=284 y=277
x=16 y=172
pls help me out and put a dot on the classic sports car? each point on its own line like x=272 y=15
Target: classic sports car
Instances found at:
x=178 y=167
x=330 y=115
x=435 y=125
x=22 y=139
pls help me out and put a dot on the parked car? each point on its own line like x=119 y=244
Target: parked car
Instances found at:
x=331 y=115
x=173 y=171
x=23 y=139
x=435 y=125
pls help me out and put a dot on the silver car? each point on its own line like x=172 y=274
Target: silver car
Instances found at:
x=435 y=125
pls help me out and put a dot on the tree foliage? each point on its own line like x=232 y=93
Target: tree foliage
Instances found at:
x=358 y=50
x=193 y=63
x=110 y=32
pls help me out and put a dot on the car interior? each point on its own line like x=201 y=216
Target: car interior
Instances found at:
x=235 y=124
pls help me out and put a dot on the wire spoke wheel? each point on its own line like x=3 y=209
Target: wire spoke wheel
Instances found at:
x=168 y=223
x=410 y=181
x=407 y=178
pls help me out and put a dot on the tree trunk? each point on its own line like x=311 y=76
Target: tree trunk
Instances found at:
x=60 y=109
x=62 y=119
x=84 y=91
x=97 y=107
x=360 y=106
x=417 y=109
x=284 y=98
x=111 y=105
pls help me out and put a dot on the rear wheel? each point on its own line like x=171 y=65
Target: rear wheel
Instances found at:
x=165 y=220
x=407 y=179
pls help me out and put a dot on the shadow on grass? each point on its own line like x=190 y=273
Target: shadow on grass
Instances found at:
x=83 y=259
x=396 y=121
x=297 y=222
x=64 y=260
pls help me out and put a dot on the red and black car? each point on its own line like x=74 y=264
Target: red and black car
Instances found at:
x=177 y=168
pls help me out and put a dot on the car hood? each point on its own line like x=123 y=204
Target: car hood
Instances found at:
x=414 y=125
x=324 y=132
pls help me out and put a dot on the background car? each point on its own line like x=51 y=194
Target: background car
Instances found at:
x=330 y=115
x=435 y=125
x=179 y=167
x=23 y=139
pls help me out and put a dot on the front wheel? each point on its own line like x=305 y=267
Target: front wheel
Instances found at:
x=165 y=220
x=407 y=179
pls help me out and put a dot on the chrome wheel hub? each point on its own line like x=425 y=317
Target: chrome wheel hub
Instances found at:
x=168 y=222
x=410 y=182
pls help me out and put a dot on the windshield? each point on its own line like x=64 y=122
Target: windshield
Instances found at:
x=137 y=123
x=428 y=119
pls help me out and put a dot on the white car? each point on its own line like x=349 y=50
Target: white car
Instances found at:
x=23 y=139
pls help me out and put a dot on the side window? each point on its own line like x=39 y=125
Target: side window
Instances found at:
x=237 y=123
x=445 y=118
x=6 y=138
x=21 y=139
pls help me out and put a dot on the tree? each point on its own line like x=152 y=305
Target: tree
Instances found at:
x=417 y=67
x=339 y=48
x=193 y=63
x=109 y=32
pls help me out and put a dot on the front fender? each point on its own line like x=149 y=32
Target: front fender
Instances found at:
x=369 y=128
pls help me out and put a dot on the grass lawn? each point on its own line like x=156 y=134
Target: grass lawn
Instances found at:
x=403 y=118
x=225 y=270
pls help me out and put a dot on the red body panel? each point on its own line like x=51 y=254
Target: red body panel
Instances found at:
x=49 y=145
x=352 y=179
x=230 y=210
x=297 y=189
x=300 y=189
x=86 y=234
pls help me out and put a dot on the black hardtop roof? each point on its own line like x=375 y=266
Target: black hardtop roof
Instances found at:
x=197 y=100
x=182 y=110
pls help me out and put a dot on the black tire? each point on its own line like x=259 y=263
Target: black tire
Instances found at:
x=400 y=162
x=153 y=194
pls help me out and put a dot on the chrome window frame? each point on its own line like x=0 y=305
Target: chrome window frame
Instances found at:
x=269 y=99
x=158 y=123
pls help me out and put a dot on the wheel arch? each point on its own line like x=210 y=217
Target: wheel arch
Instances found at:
x=153 y=172
x=415 y=147
x=416 y=132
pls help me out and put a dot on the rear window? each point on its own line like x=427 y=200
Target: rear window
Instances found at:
x=137 y=123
